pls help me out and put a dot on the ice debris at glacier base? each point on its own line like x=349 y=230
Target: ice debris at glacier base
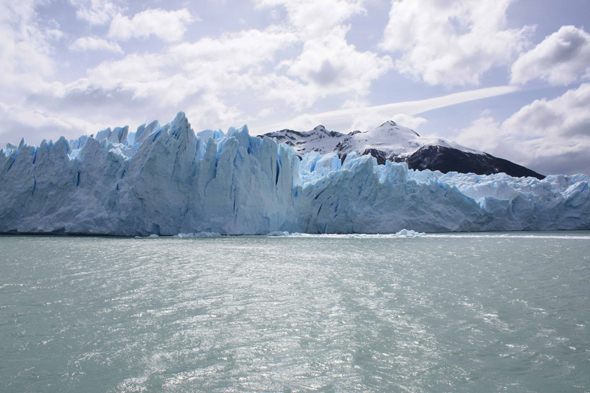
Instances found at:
x=404 y=233
x=198 y=234
x=167 y=180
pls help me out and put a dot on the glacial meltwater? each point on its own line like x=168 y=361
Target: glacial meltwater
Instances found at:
x=488 y=312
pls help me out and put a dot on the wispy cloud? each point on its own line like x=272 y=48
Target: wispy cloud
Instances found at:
x=95 y=12
x=367 y=117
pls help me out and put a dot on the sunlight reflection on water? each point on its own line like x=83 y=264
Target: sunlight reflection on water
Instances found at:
x=458 y=312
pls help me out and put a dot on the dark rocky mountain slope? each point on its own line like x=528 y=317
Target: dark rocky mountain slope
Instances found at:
x=391 y=142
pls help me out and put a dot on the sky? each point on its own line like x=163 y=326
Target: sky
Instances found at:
x=508 y=77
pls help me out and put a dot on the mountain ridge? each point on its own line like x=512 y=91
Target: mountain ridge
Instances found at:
x=392 y=142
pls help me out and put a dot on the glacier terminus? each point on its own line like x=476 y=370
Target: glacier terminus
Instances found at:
x=167 y=180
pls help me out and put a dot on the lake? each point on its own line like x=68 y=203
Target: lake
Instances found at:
x=451 y=312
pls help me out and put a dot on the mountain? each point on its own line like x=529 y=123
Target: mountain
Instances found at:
x=391 y=142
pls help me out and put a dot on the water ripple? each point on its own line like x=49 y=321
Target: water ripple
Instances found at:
x=292 y=314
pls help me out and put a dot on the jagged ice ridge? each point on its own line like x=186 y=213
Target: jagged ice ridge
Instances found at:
x=167 y=180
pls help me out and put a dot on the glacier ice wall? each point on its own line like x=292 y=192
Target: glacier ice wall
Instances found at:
x=167 y=180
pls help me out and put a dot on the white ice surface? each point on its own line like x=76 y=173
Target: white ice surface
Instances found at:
x=167 y=180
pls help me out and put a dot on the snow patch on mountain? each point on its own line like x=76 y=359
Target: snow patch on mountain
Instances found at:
x=318 y=140
x=389 y=138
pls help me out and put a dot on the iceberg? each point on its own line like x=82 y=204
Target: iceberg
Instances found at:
x=168 y=180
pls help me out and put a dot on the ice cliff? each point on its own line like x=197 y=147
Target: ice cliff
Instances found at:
x=167 y=180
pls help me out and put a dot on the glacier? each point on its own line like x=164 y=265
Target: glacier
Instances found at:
x=168 y=180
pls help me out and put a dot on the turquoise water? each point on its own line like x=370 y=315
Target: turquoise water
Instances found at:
x=487 y=312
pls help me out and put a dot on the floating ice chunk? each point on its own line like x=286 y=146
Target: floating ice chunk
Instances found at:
x=278 y=234
x=198 y=234
x=409 y=233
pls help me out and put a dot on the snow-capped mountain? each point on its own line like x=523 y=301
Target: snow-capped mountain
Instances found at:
x=392 y=142
x=319 y=139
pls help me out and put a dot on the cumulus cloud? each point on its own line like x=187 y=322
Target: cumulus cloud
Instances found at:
x=208 y=78
x=95 y=12
x=549 y=136
x=327 y=64
x=232 y=51
x=195 y=77
x=562 y=58
x=232 y=62
x=303 y=57
x=25 y=49
x=169 y=26
x=93 y=43
x=452 y=43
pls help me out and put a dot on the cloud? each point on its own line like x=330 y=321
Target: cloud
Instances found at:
x=93 y=43
x=327 y=64
x=95 y=12
x=368 y=117
x=35 y=125
x=205 y=79
x=223 y=80
x=232 y=52
x=452 y=43
x=367 y=120
x=169 y=26
x=25 y=50
x=312 y=18
x=549 y=136
x=303 y=57
x=326 y=75
x=133 y=73
x=231 y=63
x=211 y=75
x=562 y=58
x=53 y=34
x=408 y=121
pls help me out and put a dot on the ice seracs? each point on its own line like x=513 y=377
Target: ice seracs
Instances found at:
x=167 y=180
